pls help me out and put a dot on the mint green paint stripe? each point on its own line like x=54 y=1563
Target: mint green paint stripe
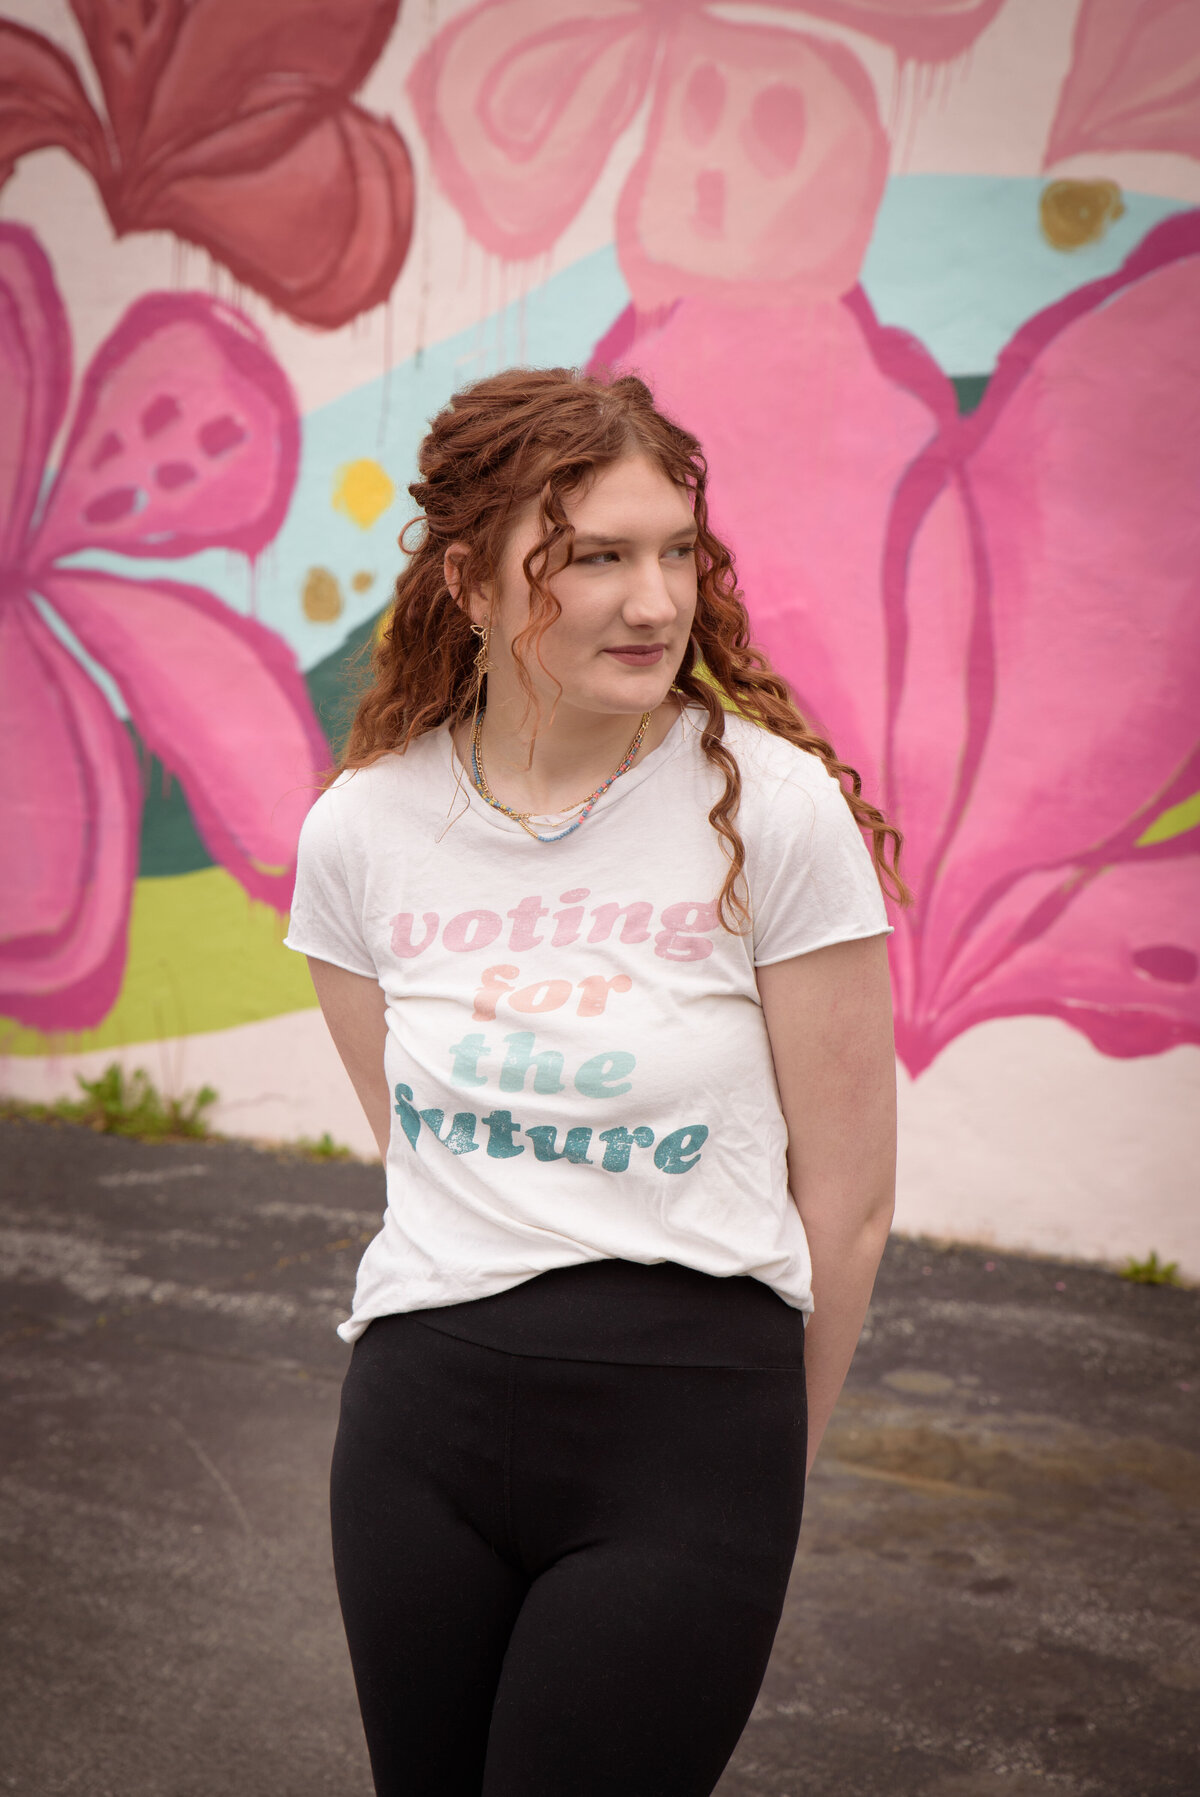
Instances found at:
x=960 y=260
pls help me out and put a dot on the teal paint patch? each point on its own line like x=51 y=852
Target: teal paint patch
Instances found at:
x=170 y=842
x=960 y=260
x=969 y=389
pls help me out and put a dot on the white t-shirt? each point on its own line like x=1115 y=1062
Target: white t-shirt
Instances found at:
x=576 y=1048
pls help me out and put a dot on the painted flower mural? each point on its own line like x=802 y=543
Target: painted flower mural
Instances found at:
x=184 y=437
x=1133 y=80
x=764 y=158
x=231 y=125
x=995 y=618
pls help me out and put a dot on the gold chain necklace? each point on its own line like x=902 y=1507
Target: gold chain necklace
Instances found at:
x=523 y=817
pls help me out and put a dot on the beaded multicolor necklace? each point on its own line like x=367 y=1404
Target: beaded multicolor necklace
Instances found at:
x=522 y=817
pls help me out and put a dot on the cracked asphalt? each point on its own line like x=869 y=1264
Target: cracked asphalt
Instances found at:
x=996 y=1592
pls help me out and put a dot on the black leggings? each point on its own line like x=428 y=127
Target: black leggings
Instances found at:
x=559 y=1578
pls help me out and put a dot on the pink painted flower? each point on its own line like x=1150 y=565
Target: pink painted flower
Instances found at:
x=764 y=158
x=1133 y=80
x=995 y=619
x=232 y=124
x=185 y=437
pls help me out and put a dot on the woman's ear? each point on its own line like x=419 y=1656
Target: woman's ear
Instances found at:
x=476 y=603
x=452 y=563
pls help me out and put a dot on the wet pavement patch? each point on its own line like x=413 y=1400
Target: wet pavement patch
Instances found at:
x=996 y=1588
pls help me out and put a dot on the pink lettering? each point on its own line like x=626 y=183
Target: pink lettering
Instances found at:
x=675 y=943
x=547 y=995
x=402 y=934
x=471 y=930
x=636 y=927
x=566 y=923
x=596 y=989
x=524 y=917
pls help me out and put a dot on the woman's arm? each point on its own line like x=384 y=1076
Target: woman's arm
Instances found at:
x=829 y=1020
x=353 y=1007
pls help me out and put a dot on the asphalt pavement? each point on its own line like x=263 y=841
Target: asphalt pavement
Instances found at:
x=997 y=1591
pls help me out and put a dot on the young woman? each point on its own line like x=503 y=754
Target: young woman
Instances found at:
x=598 y=937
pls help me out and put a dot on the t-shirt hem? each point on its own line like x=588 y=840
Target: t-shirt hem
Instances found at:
x=320 y=953
x=826 y=942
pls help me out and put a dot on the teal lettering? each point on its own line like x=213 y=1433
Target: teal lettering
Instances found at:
x=545 y=1139
x=465 y=1071
x=618 y=1143
x=596 y=1077
x=501 y=1128
x=460 y=1137
x=520 y=1058
x=410 y=1121
x=672 y=1153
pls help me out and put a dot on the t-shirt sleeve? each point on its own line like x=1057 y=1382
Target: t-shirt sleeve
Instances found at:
x=326 y=919
x=816 y=879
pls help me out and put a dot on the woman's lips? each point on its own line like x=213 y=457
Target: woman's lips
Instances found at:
x=638 y=657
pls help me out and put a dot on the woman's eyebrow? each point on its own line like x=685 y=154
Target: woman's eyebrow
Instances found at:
x=592 y=540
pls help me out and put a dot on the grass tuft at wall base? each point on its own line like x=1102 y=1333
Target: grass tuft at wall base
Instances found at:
x=202 y=956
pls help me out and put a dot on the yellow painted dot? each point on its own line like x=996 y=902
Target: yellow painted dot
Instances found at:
x=361 y=581
x=321 y=596
x=1077 y=212
x=363 y=491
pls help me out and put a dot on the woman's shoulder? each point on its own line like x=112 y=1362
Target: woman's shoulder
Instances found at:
x=390 y=775
x=768 y=762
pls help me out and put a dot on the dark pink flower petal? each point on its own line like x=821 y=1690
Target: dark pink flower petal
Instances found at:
x=319 y=222
x=521 y=103
x=186 y=436
x=70 y=803
x=173 y=72
x=1084 y=480
x=219 y=699
x=918 y=30
x=43 y=103
x=1134 y=81
x=762 y=172
x=1121 y=963
x=35 y=379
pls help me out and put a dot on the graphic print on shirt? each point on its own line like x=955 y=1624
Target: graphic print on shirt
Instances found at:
x=503 y=1058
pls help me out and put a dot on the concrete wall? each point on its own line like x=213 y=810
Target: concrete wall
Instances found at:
x=923 y=276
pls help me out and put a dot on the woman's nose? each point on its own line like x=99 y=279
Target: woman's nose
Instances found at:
x=648 y=599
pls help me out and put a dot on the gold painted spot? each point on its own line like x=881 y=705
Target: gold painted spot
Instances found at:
x=1077 y=212
x=321 y=596
x=363 y=491
x=361 y=581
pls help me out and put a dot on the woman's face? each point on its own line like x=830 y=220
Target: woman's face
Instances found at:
x=628 y=596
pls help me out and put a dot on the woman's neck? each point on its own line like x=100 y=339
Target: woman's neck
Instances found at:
x=571 y=755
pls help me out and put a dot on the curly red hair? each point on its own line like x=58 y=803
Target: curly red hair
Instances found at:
x=541 y=434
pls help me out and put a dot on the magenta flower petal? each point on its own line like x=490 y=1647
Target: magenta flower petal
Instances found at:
x=35 y=379
x=762 y=172
x=186 y=437
x=69 y=809
x=1085 y=483
x=849 y=407
x=520 y=104
x=1121 y=963
x=221 y=702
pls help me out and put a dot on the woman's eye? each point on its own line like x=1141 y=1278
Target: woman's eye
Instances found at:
x=601 y=555
x=684 y=549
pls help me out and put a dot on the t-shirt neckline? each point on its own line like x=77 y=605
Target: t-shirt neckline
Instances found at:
x=548 y=822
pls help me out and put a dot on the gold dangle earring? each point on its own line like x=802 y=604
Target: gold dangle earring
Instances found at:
x=484 y=633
